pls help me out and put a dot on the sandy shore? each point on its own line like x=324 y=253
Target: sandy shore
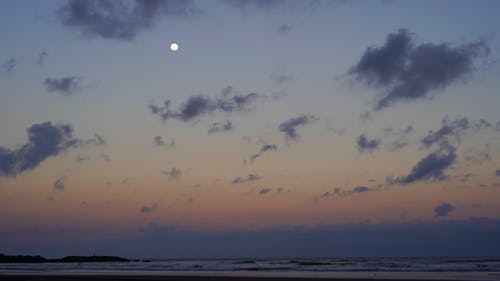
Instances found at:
x=108 y=275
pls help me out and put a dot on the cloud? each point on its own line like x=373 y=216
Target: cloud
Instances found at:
x=366 y=145
x=199 y=105
x=430 y=167
x=265 y=191
x=497 y=173
x=288 y=127
x=342 y=193
x=147 y=209
x=65 y=86
x=400 y=137
x=250 y=177
x=466 y=237
x=263 y=5
x=443 y=210
x=118 y=19
x=477 y=156
x=159 y=141
x=258 y=4
x=10 y=64
x=98 y=140
x=41 y=57
x=280 y=78
x=406 y=71
x=452 y=129
x=339 y=192
x=59 y=184
x=265 y=148
x=44 y=140
x=284 y=28
x=173 y=174
x=219 y=127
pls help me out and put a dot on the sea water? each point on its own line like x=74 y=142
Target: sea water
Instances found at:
x=421 y=264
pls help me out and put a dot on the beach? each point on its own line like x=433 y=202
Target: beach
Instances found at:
x=146 y=275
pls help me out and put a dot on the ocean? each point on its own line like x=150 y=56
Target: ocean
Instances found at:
x=400 y=264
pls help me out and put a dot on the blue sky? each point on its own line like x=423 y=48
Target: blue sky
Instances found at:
x=376 y=114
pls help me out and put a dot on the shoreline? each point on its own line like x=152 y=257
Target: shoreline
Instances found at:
x=147 y=275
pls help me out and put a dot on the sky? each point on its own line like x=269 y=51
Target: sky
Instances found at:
x=278 y=128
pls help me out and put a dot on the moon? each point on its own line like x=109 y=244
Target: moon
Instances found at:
x=174 y=47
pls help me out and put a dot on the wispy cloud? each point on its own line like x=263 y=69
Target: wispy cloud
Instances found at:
x=199 y=105
x=452 y=130
x=250 y=177
x=159 y=141
x=219 y=127
x=65 y=86
x=148 y=208
x=10 y=64
x=288 y=127
x=265 y=148
x=173 y=174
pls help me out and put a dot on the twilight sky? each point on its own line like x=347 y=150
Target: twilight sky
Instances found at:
x=279 y=128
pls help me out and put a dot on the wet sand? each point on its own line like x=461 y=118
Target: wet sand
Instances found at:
x=136 y=275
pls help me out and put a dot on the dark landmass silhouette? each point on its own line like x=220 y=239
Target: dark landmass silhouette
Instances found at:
x=40 y=259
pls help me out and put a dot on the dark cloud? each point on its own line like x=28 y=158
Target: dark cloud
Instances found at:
x=467 y=237
x=159 y=141
x=497 y=173
x=44 y=140
x=452 y=130
x=65 y=86
x=250 y=177
x=443 y=210
x=430 y=167
x=118 y=19
x=10 y=64
x=59 y=184
x=406 y=71
x=197 y=106
x=265 y=148
x=41 y=57
x=218 y=127
x=265 y=191
x=366 y=145
x=173 y=174
x=288 y=127
x=147 y=209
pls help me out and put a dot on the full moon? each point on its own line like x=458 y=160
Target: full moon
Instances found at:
x=174 y=47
